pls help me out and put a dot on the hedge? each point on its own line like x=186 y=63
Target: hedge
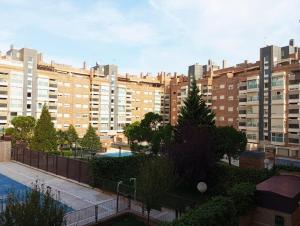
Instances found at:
x=222 y=177
x=116 y=169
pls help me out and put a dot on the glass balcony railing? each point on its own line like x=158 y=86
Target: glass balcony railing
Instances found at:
x=277 y=97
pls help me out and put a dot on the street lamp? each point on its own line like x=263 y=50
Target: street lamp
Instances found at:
x=202 y=187
x=134 y=184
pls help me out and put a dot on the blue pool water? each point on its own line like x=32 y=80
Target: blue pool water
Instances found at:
x=117 y=154
x=8 y=185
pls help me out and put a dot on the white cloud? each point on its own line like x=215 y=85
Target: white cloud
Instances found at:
x=162 y=34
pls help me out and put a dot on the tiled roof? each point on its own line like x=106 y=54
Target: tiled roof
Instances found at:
x=284 y=185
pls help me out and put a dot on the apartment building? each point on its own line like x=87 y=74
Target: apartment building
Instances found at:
x=78 y=96
x=261 y=98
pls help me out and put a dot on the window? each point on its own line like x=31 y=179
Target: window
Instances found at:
x=277 y=137
x=222 y=97
x=230 y=108
x=222 y=86
x=221 y=107
x=279 y=220
x=230 y=87
x=230 y=98
x=221 y=118
x=252 y=84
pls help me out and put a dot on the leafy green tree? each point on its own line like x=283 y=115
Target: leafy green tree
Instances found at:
x=71 y=135
x=230 y=142
x=90 y=140
x=37 y=208
x=132 y=132
x=154 y=181
x=150 y=130
x=61 y=138
x=22 y=129
x=45 y=137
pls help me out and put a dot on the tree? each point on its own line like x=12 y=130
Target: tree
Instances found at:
x=150 y=130
x=194 y=156
x=22 y=129
x=194 y=111
x=230 y=142
x=44 y=138
x=193 y=148
x=154 y=181
x=61 y=138
x=37 y=207
x=71 y=135
x=132 y=132
x=90 y=140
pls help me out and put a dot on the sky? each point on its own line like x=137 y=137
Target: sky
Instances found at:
x=148 y=35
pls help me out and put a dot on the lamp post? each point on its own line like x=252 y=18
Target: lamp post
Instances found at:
x=134 y=184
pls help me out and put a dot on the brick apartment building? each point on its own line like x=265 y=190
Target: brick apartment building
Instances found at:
x=261 y=98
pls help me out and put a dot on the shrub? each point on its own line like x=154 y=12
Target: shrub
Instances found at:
x=116 y=169
x=223 y=176
x=242 y=196
x=217 y=211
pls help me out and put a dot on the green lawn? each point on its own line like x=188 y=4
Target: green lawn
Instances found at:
x=127 y=220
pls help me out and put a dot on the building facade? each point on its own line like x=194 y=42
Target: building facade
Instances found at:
x=77 y=96
x=261 y=99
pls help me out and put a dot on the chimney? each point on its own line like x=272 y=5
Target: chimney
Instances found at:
x=246 y=62
x=224 y=64
x=84 y=65
x=291 y=43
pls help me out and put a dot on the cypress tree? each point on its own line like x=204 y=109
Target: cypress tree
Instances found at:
x=195 y=110
x=90 y=140
x=44 y=138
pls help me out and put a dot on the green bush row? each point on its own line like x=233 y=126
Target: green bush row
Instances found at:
x=116 y=169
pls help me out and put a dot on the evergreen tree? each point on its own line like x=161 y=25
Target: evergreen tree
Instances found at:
x=195 y=111
x=71 y=135
x=44 y=138
x=90 y=140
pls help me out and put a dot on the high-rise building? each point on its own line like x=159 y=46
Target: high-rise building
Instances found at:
x=78 y=96
x=261 y=98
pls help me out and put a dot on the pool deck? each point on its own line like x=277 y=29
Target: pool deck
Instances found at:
x=72 y=194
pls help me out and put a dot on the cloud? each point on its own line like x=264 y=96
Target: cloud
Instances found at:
x=151 y=35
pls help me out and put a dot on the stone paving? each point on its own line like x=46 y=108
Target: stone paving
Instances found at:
x=72 y=194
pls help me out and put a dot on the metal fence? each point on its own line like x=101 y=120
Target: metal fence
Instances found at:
x=74 y=169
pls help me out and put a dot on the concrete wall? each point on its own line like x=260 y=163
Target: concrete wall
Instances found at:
x=5 y=151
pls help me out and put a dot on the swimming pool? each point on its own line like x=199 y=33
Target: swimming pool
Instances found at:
x=8 y=185
x=117 y=154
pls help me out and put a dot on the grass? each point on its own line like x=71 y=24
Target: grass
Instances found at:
x=126 y=220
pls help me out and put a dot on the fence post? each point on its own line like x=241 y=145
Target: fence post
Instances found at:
x=117 y=209
x=96 y=213
x=79 y=171
x=23 y=154
x=38 y=157
x=67 y=165
x=56 y=164
x=30 y=157
x=47 y=162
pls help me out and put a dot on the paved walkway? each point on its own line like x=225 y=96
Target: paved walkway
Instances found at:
x=72 y=194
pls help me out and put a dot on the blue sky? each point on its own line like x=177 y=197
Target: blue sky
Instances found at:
x=148 y=35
